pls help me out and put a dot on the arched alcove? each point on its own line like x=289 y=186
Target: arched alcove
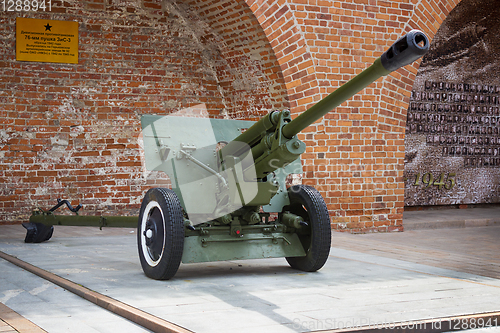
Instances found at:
x=71 y=131
x=355 y=154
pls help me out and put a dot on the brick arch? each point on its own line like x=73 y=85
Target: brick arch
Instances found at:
x=292 y=51
x=355 y=154
x=72 y=126
x=237 y=50
x=428 y=17
x=303 y=71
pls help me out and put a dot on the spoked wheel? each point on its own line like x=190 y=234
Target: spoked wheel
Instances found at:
x=160 y=234
x=307 y=202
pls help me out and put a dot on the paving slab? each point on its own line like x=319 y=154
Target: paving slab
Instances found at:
x=358 y=285
x=52 y=308
x=472 y=250
x=451 y=218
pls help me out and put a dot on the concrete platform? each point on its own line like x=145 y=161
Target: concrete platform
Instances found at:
x=374 y=279
x=451 y=218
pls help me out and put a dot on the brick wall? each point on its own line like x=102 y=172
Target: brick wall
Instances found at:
x=71 y=130
x=355 y=155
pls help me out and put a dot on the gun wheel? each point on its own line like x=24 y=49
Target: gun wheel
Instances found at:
x=308 y=203
x=160 y=234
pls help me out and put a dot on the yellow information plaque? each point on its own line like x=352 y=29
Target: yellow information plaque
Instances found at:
x=46 y=40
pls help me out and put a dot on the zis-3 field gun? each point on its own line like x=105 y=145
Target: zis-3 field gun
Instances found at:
x=227 y=177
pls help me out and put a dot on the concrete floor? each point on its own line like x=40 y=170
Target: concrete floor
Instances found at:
x=368 y=279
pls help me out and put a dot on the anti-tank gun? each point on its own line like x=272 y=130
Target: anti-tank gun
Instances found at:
x=228 y=176
x=242 y=182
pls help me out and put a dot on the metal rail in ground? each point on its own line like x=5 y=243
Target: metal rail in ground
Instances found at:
x=126 y=311
x=155 y=324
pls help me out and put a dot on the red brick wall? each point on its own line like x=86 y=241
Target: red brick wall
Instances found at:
x=355 y=155
x=70 y=130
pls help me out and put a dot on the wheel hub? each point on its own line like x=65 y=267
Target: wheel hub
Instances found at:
x=150 y=233
x=153 y=234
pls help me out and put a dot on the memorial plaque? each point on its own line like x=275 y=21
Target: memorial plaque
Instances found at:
x=46 y=40
x=452 y=136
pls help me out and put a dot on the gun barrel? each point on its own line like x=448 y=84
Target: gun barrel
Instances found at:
x=404 y=51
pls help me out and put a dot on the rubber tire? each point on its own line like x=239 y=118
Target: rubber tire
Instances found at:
x=167 y=203
x=317 y=243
